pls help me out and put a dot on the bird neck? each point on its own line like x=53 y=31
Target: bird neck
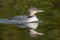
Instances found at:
x=29 y=16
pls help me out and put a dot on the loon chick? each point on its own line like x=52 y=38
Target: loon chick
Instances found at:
x=29 y=21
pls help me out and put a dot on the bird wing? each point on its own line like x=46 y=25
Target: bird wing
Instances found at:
x=24 y=17
x=21 y=20
x=14 y=20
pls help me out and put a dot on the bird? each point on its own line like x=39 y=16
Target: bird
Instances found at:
x=29 y=21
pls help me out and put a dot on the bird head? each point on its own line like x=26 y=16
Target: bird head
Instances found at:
x=33 y=10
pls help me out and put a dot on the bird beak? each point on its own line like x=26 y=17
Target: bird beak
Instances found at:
x=40 y=10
